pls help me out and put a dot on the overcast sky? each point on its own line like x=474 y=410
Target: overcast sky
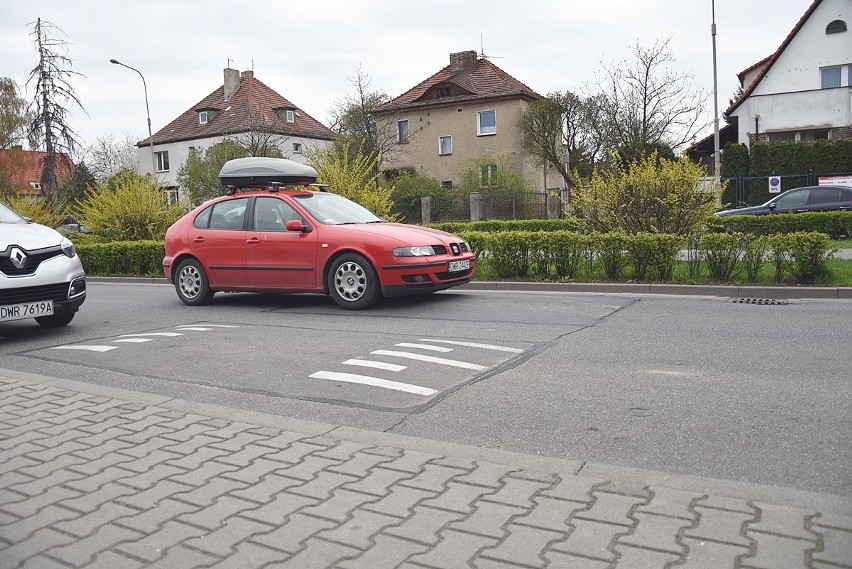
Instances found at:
x=308 y=51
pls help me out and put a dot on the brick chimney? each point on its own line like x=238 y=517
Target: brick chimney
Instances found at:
x=247 y=73
x=462 y=60
x=232 y=82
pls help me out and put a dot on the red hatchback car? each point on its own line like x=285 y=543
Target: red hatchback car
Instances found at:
x=294 y=239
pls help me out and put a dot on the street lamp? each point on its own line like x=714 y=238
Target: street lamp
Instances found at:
x=144 y=86
x=716 y=156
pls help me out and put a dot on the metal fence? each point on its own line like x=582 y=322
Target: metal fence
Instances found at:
x=495 y=205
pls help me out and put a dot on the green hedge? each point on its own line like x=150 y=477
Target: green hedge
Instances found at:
x=798 y=257
x=123 y=258
x=832 y=223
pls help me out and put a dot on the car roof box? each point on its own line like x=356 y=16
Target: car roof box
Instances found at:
x=257 y=172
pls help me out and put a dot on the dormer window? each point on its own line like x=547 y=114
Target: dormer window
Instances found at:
x=445 y=91
x=202 y=117
x=286 y=115
x=835 y=27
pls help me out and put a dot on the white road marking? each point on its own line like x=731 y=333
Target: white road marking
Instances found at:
x=194 y=328
x=218 y=326
x=86 y=348
x=430 y=359
x=377 y=365
x=167 y=334
x=476 y=345
x=134 y=340
x=373 y=381
x=424 y=347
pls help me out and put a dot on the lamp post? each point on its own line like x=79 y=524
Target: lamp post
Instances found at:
x=147 y=111
x=716 y=155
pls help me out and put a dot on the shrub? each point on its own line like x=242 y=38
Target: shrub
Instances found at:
x=804 y=255
x=722 y=253
x=39 y=211
x=123 y=258
x=134 y=210
x=610 y=253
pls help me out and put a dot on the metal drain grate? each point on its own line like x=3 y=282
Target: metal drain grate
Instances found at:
x=774 y=301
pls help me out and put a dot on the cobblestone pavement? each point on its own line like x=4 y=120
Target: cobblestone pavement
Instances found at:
x=92 y=480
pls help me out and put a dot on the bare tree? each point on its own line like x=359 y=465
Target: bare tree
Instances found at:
x=352 y=118
x=560 y=132
x=646 y=105
x=110 y=154
x=49 y=128
x=13 y=114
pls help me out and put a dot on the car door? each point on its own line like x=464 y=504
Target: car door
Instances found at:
x=219 y=241
x=830 y=198
x=278 y=258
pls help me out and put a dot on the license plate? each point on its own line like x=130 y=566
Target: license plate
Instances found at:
x=456 y=266
x=26 y=310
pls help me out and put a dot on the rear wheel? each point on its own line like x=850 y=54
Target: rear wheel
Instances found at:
x=353 y=283
x=191 y=283
x=56 y=320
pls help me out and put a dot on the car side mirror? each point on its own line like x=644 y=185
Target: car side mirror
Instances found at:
x=298 y=225
x=773 y=205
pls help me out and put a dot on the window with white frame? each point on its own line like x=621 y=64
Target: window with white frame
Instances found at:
x=171 y=196
x=830 y=77
x=291 y=116
x=202 y=117
x=445 y=145
x=486 y=123
x=297 y=148
x=402 y=132
x=487 y=175
x=162 y=161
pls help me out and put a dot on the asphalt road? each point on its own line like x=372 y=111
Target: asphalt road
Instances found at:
x=692 y=385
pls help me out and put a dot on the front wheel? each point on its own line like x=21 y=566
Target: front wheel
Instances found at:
x=56 y=320
x=353 y=283
x=191 y=283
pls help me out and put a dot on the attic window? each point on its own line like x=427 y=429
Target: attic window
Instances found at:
x=291 y=116
x=835 y=27
x=445 y=91
x=202 y=117
x=288 y=115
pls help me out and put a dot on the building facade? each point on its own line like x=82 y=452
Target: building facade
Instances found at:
x=465 y=115
x=241 y=106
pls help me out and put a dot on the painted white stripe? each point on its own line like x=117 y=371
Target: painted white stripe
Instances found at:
x=86 y=348
x=377 y=365
x=373 y=381
x=430 y=359
x=476 y=345
x=424 y=347
x=167 y=334
x=134 y=340
x=194 y=329
x=219 y=326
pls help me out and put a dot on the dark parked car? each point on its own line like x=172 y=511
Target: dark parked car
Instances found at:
x=799 y=200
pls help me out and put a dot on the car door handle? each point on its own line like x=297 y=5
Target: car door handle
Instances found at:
x=199 y=239
x=253 y=241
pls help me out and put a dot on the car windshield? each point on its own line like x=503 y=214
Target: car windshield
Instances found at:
x=9 y=216
x=331 y=209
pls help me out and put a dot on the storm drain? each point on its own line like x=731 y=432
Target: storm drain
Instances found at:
x=766 y=301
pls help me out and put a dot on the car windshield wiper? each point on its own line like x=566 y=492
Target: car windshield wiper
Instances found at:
x=377 y=221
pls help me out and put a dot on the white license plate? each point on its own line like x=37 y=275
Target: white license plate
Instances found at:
x=26 y=310
x=456 y=266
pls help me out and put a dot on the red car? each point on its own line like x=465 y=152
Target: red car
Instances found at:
x=294 y=239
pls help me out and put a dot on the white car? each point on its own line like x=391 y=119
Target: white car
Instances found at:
x=41 y=275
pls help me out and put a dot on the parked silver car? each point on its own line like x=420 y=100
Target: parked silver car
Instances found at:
x=41 y=275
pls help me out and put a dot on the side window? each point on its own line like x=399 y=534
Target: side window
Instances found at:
x=272 y=214
x=794 y=198
x=825 y=195
x=228 y=214
x=202 y=220
x=486 y=123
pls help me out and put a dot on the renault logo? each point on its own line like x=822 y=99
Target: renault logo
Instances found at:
x=18 y=258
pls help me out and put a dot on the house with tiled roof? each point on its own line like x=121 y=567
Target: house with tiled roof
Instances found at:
x=468 y=110
x=803 y=91
x=241 y=105
x=20 y=171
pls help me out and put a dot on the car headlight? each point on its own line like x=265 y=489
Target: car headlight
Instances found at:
x=421 y=251
x=68 y=248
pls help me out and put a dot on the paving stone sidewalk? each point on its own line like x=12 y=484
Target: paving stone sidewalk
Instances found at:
x=88 y=479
